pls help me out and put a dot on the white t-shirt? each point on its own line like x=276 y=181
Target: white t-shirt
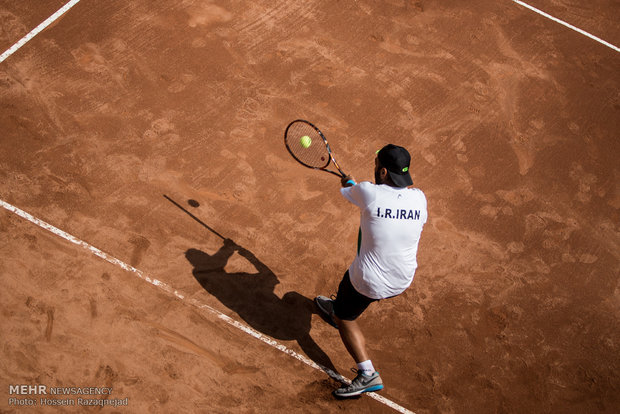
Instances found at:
x=391 y=223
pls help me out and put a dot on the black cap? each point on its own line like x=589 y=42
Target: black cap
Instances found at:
x=396 y=160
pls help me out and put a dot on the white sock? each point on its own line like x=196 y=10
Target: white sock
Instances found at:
x=365 y=367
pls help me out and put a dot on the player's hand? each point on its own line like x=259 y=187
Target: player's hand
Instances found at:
x=347 y=181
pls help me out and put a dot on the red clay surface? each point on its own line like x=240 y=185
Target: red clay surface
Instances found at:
x=512 y=121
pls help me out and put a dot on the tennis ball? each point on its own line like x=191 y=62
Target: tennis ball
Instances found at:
x=305 y=141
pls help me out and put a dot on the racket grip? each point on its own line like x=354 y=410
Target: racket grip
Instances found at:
x=347 y=181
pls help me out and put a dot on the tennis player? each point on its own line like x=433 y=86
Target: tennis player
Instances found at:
x=392 y=217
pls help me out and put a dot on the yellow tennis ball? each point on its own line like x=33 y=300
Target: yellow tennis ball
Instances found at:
x=305 y=141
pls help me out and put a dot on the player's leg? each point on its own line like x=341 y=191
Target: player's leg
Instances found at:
x=353 y=339
x=344 y=311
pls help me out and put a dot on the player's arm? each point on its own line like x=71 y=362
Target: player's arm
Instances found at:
x=361 y=194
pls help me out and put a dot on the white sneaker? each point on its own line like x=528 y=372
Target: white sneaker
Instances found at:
x=362 y=383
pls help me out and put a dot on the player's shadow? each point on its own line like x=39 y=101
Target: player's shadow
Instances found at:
x=252 y=297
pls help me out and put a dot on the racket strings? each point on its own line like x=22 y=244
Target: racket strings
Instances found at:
x=316 y=155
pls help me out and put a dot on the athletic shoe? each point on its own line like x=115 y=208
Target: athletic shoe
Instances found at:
x=362 y=383
x=326 y=306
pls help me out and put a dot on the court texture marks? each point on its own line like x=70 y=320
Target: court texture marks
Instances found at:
x=157 y=240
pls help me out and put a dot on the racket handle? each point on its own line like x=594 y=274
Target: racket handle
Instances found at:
x=350 y=182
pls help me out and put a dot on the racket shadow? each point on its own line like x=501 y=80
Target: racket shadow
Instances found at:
x=252 y=297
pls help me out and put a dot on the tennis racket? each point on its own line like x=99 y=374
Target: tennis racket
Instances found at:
x=309 y=147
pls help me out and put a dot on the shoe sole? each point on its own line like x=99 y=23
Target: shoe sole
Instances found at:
x=360 y=392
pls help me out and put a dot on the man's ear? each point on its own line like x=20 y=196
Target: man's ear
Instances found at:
x=383 y=173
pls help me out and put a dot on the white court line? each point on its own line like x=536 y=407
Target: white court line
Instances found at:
x=570 y=26
x=38 y=29
x=170 y=290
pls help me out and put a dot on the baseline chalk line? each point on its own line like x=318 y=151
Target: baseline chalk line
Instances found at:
x=38 y=30
x=570 y=26
x=183 y=297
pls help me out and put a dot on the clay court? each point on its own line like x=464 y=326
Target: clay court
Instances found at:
x=187 y=244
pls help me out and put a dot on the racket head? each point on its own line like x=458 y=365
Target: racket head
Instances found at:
x=317 y=155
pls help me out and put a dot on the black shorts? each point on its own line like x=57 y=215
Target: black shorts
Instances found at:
x=349 y=302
